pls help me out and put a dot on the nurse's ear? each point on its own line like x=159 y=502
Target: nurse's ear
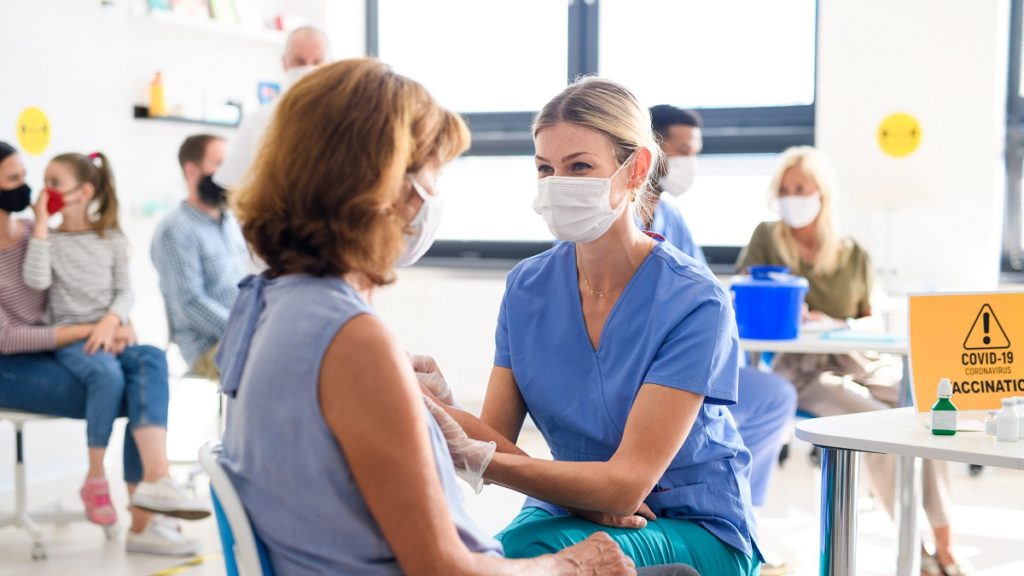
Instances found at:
x=640 y=168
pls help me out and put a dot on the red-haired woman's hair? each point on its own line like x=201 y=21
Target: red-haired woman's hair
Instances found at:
x=320 y=198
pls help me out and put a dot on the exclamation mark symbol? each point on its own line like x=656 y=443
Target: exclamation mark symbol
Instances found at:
x=984 y=322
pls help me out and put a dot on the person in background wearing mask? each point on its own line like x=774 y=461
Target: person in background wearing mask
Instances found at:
x=839 y=273
x=767 y=402
x=32 y=379
x=681 y=137
x=305 y=49
x=200 y=256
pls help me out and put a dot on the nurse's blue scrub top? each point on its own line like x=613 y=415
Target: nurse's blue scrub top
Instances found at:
x=673 y=326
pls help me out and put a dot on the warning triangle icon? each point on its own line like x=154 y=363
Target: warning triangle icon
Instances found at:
x=986 y=332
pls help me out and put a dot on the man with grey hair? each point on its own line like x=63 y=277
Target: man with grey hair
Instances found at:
x=305 y=49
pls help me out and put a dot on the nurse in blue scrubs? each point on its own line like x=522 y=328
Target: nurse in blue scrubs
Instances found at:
x=623 y=350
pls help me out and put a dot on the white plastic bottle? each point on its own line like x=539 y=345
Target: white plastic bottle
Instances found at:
x=1007 y=425
x=990 y=424
x=1020 y=416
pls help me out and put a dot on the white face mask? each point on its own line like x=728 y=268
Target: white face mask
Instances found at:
x=681 y=171
x=577 y=209
x=293 y=75
x=799 y=211
x=424 y=227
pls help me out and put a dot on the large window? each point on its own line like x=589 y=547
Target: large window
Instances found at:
x=748 y=66
x=711 y=54
x=510 y=58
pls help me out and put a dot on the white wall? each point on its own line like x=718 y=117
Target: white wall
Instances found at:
x=86 y=66
x=932 y=220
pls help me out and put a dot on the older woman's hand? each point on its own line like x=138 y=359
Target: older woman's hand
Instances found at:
x=598 y=554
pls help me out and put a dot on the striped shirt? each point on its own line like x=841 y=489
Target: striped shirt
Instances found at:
x=21 y=308
x=87 y=276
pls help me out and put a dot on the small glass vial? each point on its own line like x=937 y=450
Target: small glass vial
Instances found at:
x=944 y=412
x=1007 y=426
x=990 y=424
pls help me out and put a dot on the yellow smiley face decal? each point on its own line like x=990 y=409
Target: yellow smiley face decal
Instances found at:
x=899 y=134
x=33 y=131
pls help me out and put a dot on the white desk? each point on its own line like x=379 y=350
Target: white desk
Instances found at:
x=816 y=343
x=897 y=432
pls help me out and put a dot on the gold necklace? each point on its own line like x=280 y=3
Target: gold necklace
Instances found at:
x=586 y=280
x=593 y=292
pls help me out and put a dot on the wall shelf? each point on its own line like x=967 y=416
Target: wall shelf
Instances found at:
x=142 y=113
x=238 y=31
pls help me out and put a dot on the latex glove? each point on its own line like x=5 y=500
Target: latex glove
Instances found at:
x=637 y=521
x=431 y=378
x=470 y=457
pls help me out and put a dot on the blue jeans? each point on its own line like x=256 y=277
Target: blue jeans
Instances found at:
x=39 y=383
x=765 y=409
x=103 y=378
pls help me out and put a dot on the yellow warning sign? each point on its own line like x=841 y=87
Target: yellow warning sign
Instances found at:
x=986 y=332
x=970 y=339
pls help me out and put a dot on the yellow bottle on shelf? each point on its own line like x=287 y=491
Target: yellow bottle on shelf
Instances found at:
x=157 y=102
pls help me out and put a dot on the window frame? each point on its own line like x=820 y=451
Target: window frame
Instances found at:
x=1013 y=222
x=747 y=130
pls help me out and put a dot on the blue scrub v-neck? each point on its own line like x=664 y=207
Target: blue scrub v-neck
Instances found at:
x=575 y=280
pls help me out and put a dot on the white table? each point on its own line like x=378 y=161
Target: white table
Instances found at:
x=817 y=343
x=898 y=432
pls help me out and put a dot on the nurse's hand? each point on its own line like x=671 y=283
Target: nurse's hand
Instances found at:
x=636 y=521
x=470 y=457
x=598 y=554
x=431 y=378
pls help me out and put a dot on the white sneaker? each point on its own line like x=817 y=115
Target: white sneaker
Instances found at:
x=161 y=536
x=168 y=497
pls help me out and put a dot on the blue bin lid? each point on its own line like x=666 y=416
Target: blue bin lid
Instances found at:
x=764 y=271
x=783 y=280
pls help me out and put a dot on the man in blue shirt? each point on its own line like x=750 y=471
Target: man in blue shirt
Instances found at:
x=200 y=255
x=767 y=402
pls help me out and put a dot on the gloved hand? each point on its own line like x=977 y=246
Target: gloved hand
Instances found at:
x=470 y=457
x=431 y=378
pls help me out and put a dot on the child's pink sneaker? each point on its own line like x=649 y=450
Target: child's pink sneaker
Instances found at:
x=99 y=509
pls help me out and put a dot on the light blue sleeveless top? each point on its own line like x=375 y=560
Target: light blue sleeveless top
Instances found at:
x=278 y=450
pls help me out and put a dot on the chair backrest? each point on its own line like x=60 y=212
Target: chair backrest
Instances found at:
x=244 y=553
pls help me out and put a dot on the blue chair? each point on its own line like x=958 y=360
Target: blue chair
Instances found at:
x=244 y=552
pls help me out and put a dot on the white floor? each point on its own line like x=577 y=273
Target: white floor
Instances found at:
x=988 y=517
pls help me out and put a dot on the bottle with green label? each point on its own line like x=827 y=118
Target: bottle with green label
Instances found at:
x=944 y=412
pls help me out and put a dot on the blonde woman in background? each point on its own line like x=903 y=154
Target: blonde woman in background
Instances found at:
x=839 y=273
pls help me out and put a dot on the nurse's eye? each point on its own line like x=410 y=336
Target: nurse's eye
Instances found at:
x=545 y=170
x=580 y=167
